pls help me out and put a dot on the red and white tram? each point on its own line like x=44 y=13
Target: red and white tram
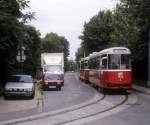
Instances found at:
x=84 y=69
x=110 y=68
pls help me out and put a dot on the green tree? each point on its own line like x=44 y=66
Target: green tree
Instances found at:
x=71 y=66
x=33 y=50
x=127 y=25
x=10 y=33
x=53 y=43
x=139 y=11
x=96 y=34
x=125 y=30
x=80 y=54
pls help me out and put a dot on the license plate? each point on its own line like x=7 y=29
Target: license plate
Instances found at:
x=51 y=87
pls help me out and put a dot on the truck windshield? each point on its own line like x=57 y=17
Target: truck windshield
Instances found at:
x=52 y=68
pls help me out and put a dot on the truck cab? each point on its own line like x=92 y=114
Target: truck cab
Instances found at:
x=53 y=70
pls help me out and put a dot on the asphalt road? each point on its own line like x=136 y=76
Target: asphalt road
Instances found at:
x=80 y=104
x=73 y=93
x=137 y=114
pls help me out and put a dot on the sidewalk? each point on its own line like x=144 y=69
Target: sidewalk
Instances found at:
x=145 y=90
x=21 y=104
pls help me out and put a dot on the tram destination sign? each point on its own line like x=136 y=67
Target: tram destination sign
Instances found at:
x=120 y=51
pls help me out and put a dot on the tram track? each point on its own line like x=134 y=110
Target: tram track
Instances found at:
x=64 y=117
x=140 y=91
x=75 y=111
x=137 y=92
x=70 y=110
x=57 y=113
x=97 y=113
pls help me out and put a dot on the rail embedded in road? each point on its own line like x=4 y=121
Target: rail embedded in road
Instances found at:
x=100 y=107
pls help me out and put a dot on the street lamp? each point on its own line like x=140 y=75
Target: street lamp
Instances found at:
x=21 y=57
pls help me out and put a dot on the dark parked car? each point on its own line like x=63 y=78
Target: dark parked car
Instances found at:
x=20 y=85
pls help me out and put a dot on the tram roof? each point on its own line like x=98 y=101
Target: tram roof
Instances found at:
x=85 y=58
x=113 y=50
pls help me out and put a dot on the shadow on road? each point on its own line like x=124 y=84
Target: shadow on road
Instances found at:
x=16 y=98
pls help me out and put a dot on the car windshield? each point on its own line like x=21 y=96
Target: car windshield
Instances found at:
x=52 y=68
x=24 y=79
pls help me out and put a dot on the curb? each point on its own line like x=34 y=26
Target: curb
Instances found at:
x=42 y=115
x=141 y=89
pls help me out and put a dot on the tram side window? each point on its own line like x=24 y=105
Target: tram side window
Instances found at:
x=97 y=62
x=86 y=65
x=82 y=65
x=92 y=63
x=104 y=63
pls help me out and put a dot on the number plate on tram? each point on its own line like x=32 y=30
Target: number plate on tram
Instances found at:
x=51 y=87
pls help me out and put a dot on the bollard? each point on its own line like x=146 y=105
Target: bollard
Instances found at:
x=40 y=104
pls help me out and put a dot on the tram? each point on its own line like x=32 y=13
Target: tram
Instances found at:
x=84 y=69
x=110 y=68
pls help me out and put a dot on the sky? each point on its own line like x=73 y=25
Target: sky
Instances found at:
x=66 y=17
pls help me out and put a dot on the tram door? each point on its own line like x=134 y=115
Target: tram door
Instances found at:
x=103 y=71
x=97 y=71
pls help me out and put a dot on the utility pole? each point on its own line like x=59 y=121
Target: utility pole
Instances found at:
x=148 y=82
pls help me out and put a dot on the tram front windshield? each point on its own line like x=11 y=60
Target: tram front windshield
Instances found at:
x=119 y=61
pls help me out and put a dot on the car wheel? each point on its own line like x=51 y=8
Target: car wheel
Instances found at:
x=59 y=88
x=6 y=97
x=32 y=96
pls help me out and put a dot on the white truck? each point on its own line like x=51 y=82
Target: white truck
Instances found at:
x=53 y=70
